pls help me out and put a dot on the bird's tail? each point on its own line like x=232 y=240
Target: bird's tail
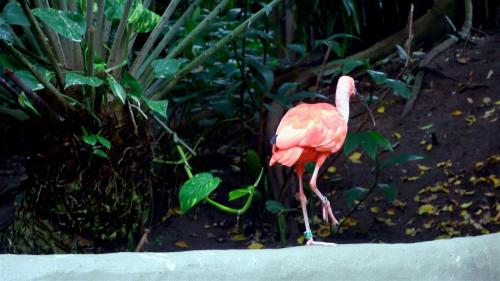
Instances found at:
x=287 y=157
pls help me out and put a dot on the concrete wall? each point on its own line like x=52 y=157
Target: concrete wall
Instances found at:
x=471 y=258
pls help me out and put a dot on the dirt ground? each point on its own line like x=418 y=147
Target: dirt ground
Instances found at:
x=453 y=192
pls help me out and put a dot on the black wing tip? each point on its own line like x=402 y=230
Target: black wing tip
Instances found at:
x=273 y=139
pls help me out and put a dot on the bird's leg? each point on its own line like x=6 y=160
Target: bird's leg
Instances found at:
x=303 y=203
x=327 y=209
x=299 y=169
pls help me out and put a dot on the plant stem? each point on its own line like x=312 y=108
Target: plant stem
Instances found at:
x=212 y=50
x=197 y=30
x=146 y=48
x=119 y=37
x=44 y=42
x=54 y=93
x=176 y=138
x=100 y=28
x=165 y=40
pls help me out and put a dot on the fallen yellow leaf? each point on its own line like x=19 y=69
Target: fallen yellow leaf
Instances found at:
x=494 y=180
x=426 y=209
x=301 y=240
x=428 y=224
x=428 y=147
x=397 y=135
x=324 y=230
x=374 y=210
x=239 y=237
x=466 y=205
x=381 y=109
x=390 y=212
x=350 y=222
x=255 y=246
x=181 y=244
x=444 y=164
x=470 y=119
x=456 y=112
x=355 y=157
x=410 y=232
x=332 y=169
x=442 y=236
x=386 y=221
x=398 y=203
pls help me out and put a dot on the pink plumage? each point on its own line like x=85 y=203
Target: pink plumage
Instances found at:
x=312 y=132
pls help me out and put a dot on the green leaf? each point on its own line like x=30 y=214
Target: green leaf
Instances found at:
x=254 y=165
x=6 y=34
x=274 y=206
x=100 y=153
x=224 y=106
x=133 y=86
x=379 y=139
x=14 y=15
x=90 y=139
x=377 y=76
x=399 y=88
x=401 y=52
x=26 y=103
x=196 y=189
x=352 y=141
x=166 y=68
x=69 y=24
x=370 y=147
x=263 y=74
x=73 y=78
x=104 y=141
x=355 y=194
x=286 y=88
x=31 y=81
x=399 y=159
x=298 y=48
x=389 y=191
x=350 y=64
x=238 y=193
x=116 y=88
x=158 y=106
x=143 y=20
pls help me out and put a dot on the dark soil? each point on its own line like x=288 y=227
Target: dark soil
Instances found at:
x=454 y=124
x=453 y=192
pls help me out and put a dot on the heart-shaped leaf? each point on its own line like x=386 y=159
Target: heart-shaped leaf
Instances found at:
x=238 y=193
x=117 y=89
x=399 y=88
x=69 y=24
x=377 y=76
x=158 y=106
x=14 y=15
x=196 y=189
x=73 y=78
x=166 y=68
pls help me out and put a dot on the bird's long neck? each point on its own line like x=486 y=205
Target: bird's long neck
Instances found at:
x=342 y=102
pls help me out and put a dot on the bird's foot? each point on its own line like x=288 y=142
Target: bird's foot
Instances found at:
x=310 y=241
x=328 y=214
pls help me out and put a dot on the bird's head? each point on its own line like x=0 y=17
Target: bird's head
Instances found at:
x=346 y=83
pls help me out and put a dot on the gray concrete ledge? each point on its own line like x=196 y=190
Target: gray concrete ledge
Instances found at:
x=471 y=258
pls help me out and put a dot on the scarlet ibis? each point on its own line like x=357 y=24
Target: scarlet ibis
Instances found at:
x=312 y=132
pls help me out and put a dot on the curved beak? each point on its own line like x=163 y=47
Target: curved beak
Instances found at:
x=366 y=106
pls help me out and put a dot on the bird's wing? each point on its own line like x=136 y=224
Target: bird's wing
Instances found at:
x=318 y=126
